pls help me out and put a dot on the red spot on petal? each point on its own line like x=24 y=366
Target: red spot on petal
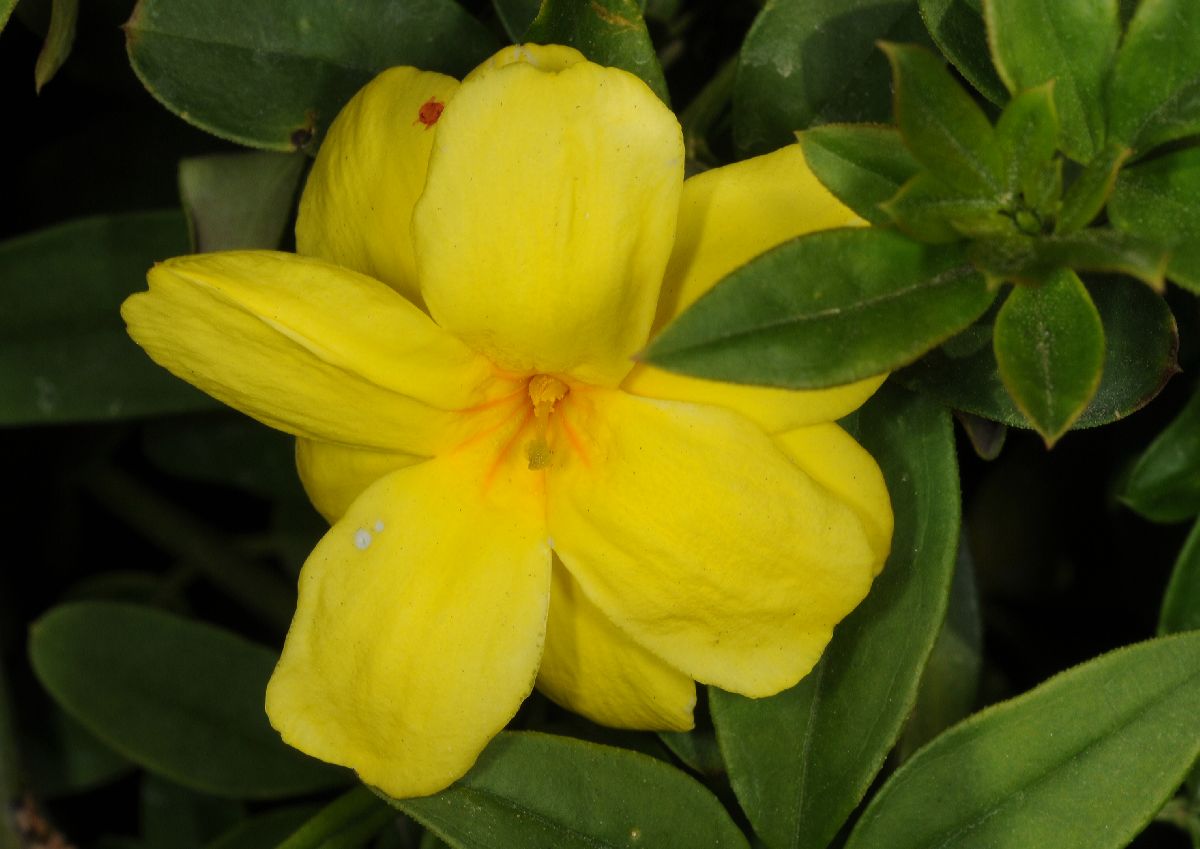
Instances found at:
x=430 y=111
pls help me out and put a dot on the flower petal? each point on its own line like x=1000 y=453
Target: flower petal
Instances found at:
x=697 y=536
x=357 y=206
x=727 y=217
x=592 y=668
x=334 y=475
x=419 y=626
x=309 y=348
x=549 y=214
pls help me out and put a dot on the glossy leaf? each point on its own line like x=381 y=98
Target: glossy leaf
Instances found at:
x=1111 y=739
x=237 y=201
x=64 y=353
x=59 y=39
x=274 y=75
x=1069 y=41
x=1181 y=604
x=1091 y=189
x=810 y=62
x=1165 y=482
x=264 y=830
x=825 y=309
x=1141 y=344
x=1097 y=249
x=609 y=32
x=861 y=164
x=1161 y=199
x=1154 y=95
x=943 y=126
x=516 y=16
x=958 y=30
x=802 y=760
x=1049 y=344
x=180 y=698
x=350 y=819
x=530 y=789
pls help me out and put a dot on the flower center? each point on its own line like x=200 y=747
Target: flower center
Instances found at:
x=544 y=392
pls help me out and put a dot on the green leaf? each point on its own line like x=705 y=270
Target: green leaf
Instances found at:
x=516 y=16
x=65 y=355
x=810 y=62
x=353 y=817
x=174 y=817
x=1049 y=344
x=800 y=761
x=6 y=10
x=237 y=201
x=531 y=789
x=1069 y=41
x=274 y=75
x=59 y=39
x=1027 y=133
x=862 y=165
x=264 y=830
x=1091 y=189
x=1154 y=95
x=609 y=32
x=1164 y=485
x=930 y=211
x=1160 y=199
x=1029 y=259
x=825 y=309
x=180 y=698
x=697 y=749
x=1181 y=604
x=943 y=126
x=958 y=30
x=1108 y=741
x=1140 y=356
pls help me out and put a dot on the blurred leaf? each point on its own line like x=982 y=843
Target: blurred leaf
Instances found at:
x=175 y=817
x=1164 y=485
x=1161 y=199
x=1091 y=189
x=531 y=789
x=1181 y=604
x=62 y=758
x=1049 y=344
x=274 y=75
x=609 y=32
x=182 y=699
x=236 y=201
x=6 y=10
x=708 y=111
x=809 y=62
x=1141 y=343
x=958 y=30
x=950 y=682
x=346 y=821
x=1069 y=41
x=1154 y=95
x=801 y=761
x=64 y=354
x=1111 y=740
x=59 y=39
x=825 y=309
x=943 y=126
x=697 y=749
x=862 y=165
x=264 y=830
x=516 y=16
x=987 y=437
x=1032 y=259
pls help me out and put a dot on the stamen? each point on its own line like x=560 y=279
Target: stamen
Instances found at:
x=544 y=392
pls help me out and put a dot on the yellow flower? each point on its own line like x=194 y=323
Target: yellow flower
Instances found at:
x=514 y=500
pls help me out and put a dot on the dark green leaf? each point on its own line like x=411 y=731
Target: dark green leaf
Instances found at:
x=930 y=211
x=516 y=16
x=237 y=201
x=957 y=28
x=1140 y=356
x=1091 y=189
x=264 y=830
x=353 y=817
x=1109 y=741
x=532 y=789
x=810 y=62
x=182 y=699
x=801 y=761
x=943 y=126
x=1027 y=133
x=825 y=309
x=708 y=111
x=1161 y=200
x=274 y=75
x=1069 y=41
x=1031 y=259
x=609 y=32
x=987 y=437
x=1165 y=482
x=59 y=39
x=1181 y=604
x=862 y=165
x=1049 y=344
x=65 y=355
x=698 y=749
x=174 y=817
x=61 y=757
x=1154 y=95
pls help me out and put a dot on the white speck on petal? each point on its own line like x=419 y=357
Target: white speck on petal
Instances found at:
x=550 y=541
x=362 y=539
x=378 y=525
